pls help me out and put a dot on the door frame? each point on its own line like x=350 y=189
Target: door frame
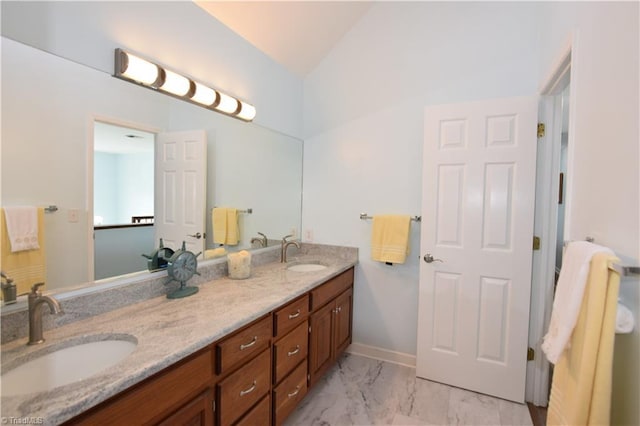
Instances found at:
x=89 y=172
x=561 y=73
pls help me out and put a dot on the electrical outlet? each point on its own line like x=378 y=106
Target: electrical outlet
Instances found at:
x=73 y=215
x=308 y=235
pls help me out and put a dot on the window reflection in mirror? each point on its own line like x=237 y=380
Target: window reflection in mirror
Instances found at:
x=123 y=199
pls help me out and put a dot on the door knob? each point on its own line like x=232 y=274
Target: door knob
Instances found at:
x=196 y=235
x=428 y=258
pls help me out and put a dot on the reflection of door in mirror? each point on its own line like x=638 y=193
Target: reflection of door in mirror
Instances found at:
x=123 y=199
x=181 y=173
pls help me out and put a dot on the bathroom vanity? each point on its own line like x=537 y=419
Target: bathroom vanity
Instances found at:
x=239 y=352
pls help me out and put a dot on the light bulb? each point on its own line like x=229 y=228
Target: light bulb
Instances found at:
x=140 y=70
x=227 y=104
x=247 y=111
x=175 y=83
x=204 y=95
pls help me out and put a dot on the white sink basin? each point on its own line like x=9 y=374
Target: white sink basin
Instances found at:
x=306 y=267
x=66 y=365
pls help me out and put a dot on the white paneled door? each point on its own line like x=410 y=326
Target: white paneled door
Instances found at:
x=478 y=194
x=181 y=167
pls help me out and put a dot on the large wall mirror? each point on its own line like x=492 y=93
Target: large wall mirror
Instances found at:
x=50 y=109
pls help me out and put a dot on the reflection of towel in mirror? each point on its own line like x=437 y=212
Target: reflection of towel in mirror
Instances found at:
x=390 y=238
x=225 y=226
x=216 y=252
x=22 y=227
x=25 y=267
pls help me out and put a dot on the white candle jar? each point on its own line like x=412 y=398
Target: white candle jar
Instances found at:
x=239 y=265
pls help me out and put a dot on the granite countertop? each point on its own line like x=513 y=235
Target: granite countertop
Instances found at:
x=166 y=332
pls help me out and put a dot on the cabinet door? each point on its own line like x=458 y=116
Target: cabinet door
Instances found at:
x=320 y=342
x=342 y=328
x=198 y=412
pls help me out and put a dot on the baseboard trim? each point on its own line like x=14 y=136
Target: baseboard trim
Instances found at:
x=381 y=354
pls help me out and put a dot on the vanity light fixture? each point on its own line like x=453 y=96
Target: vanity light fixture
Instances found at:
x=135 y=69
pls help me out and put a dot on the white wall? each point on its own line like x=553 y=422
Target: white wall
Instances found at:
x=364 y=131
x=606 y=174
x=177 y=34
x=123 y=186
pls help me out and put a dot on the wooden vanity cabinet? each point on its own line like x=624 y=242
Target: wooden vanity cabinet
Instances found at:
x=255 y=376
x=182 y=390
x=330 y=323
x=197 y=412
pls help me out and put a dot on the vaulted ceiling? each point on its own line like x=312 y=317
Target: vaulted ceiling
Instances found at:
x=296 y=34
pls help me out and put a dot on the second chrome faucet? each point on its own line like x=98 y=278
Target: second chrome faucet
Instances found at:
x=284 y=246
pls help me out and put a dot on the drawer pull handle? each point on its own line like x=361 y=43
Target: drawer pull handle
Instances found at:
x=251 y=389
x=294 y=393
x=296 y=315
x=248 y=345
x=295 y=351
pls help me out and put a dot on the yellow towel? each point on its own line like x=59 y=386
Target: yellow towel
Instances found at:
x=581 y=389
x=216 y=252
x=390 y=238
x=25 y=267
x=225 y=226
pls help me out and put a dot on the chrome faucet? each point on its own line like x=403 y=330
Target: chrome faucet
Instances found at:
x=262 y=241
x=8 y=289
x=36 y=300
x=284 y=246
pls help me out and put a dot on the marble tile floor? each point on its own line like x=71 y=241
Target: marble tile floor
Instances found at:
x=363 y=391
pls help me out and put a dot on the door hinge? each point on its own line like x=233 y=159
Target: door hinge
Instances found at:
x=531 y=354
x=540 y=130
x=536 y=243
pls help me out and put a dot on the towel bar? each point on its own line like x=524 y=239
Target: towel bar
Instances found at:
x=365 y=216
x=248 y=211
x=625 y=271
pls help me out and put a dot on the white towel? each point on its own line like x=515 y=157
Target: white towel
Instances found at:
x=22 y=227
x=568 y=298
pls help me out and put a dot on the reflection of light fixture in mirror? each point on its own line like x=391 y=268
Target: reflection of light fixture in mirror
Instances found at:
x=135 y=69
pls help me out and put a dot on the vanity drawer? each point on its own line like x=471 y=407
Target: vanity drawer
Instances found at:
x=244 y=388
x=288 y=317
x=290 y=351
x=243 y=345
x=330 y=289
x=258 y=415
x=289 y=393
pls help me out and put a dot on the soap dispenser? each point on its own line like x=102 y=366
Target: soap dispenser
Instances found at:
x=8 y=289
